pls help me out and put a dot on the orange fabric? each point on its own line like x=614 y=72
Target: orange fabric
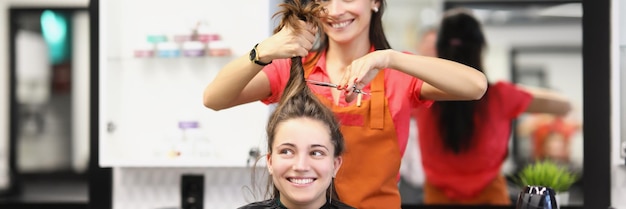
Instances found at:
x=496 y=193
x=367 y=177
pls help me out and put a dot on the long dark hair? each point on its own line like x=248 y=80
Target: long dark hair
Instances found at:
x=297 y=100
x=460 y=39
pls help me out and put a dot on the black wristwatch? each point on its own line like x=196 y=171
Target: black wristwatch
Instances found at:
x=254 y=57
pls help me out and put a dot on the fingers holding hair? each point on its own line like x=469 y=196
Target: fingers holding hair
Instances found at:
x=297 y=28
x=289 y=42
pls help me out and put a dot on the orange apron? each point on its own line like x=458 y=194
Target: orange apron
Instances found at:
x=496 y=193
x=371 y=161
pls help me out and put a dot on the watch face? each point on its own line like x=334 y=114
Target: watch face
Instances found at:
x=253 y=55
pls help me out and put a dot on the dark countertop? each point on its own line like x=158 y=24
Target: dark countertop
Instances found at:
x=48 y=193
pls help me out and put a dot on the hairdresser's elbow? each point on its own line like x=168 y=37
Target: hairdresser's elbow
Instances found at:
x=564 y=108
x=215 y=107
x=560 y=105
x=212 y=103
x=212 y=106
x=481 y=85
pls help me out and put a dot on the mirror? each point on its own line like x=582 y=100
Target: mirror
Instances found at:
x=622 y=74
x=49 y=71
x=544 y=137
x=623 y=99
x=531 y=43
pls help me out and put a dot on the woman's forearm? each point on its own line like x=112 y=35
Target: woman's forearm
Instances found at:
x=229 y=83
x=547 y=101
x=457 y=81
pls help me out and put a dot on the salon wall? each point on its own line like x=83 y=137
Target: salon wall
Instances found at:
x=144 y=99
x=132 y=84
x=160 y=187
x=618 y=76
x=4 y=71
x=403 y=21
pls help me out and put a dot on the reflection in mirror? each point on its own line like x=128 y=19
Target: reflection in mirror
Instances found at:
x=49 y=122
x=540 y=137
x=43 y=92
x=530 y=43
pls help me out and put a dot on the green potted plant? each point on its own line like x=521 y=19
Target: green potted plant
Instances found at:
x=549 y=174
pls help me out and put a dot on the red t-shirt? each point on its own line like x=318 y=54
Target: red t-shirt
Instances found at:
x=464 y=175
x=401 y=90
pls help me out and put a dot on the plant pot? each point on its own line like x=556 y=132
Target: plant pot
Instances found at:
x=536 y=197
x=562 y=198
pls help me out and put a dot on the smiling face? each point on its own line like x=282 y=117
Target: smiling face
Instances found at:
x=302 y=162
x=348 y=20
x=556 y=147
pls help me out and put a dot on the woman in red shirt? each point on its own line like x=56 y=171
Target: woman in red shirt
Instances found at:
x=464 y=143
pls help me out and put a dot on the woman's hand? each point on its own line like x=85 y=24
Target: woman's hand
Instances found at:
x=288 y=43
x=363 y=70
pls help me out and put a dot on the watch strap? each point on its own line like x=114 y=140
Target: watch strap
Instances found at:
x=256 y=57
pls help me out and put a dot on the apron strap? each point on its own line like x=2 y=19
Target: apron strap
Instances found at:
x=377 y=107
x=309 y=63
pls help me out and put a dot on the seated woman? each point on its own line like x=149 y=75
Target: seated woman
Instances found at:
x=551 y=136
x=304 y=147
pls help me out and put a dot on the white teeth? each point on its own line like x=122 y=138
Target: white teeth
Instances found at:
x=301 y=181
x=341 y=24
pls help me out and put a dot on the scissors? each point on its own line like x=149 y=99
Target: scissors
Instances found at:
x=359 y=92
x=332 y=85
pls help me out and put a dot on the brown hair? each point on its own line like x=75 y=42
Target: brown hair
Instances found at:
x=297 y=100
